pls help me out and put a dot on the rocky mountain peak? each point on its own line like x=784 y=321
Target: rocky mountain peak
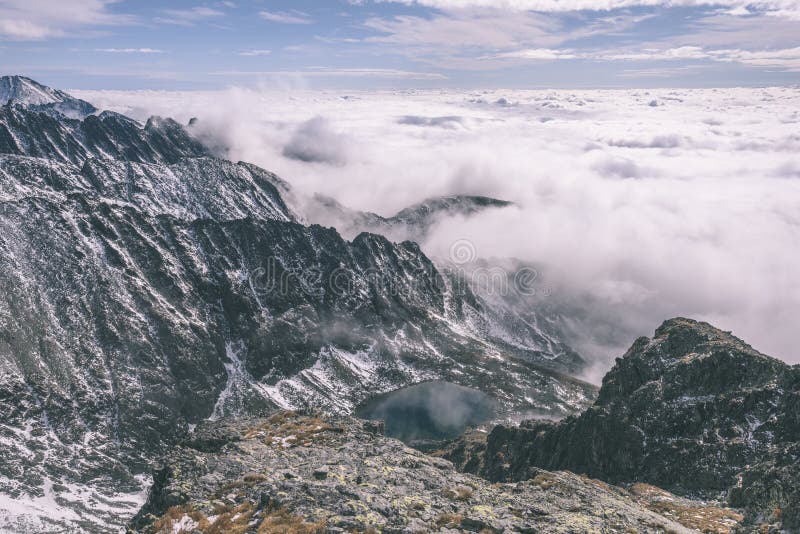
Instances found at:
x=27 y=92
x=694 y=410
x=688 y=357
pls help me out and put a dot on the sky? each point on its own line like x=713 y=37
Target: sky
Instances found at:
x=379 y=44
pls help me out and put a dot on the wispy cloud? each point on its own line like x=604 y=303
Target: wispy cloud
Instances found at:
x=318 y=72
x=781 y=8
x=784 y=58
x=538 y=53
x=129 y=50
x=286 y=17
x=253 y=53
x=188 y=17
x=470 y=39
x=35 y=20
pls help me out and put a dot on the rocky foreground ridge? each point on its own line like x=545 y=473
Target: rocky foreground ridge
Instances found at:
x=308 y=473
x=693 y=410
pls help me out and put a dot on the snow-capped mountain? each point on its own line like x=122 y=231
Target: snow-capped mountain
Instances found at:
x=147 y=287
x=27 y=92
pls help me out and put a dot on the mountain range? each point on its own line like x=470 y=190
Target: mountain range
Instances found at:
x=184 y=341
x=149 y=286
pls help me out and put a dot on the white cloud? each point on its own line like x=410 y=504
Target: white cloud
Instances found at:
x=188 y=17
x=464 y=31
x=538 y=54
x=635 y=213
x=283 y=17
x=30 y=20
x=129 y=50
x=256 y=52
x=651 y=54
x=315 y=141
x=787 y=59
x=479 y=39
x=325 y=72
x=781 y=8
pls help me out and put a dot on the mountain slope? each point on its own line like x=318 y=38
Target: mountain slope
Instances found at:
x=120 y=329
x=28 y=131
x=694 y=410
x=22 y=90
x=146 y=287
x=188 y=189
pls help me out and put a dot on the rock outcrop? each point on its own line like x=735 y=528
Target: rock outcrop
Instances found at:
x=306 y=473
x=693 y=410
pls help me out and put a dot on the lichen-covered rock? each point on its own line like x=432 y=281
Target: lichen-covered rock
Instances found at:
x=325 y=474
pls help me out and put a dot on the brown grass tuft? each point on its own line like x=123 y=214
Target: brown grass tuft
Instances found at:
x=281 y=521
x=449 y=520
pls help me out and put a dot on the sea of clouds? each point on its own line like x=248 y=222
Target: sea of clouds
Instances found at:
x=638 y=205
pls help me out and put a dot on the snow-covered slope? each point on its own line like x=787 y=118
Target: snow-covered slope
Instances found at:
x=22 y=90
x=27 y=131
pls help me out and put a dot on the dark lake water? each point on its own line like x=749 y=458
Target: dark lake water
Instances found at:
x=432 y=411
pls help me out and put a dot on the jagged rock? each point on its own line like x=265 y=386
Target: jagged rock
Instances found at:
x=693 y=410
x=27 y=131
x=371 y=483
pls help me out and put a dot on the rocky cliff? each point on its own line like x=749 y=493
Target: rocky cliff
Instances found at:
x=694 y=410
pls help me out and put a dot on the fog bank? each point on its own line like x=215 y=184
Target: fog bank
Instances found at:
x=640 y=205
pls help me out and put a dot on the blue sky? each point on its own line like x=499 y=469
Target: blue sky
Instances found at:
x=369 y=44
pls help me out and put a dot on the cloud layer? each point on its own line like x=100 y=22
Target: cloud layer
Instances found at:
x=638 y=205
x=786 y=8
x=33 y=20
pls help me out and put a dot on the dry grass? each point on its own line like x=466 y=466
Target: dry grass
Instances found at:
x=248 y=481
x=707 y=519
x=254 y=478
x=289 y=429
x=449 y=520
x=703 y=517
x=461 y=493
x=237 y=520
x=281 y=521
x=544 y=480
x=170 y=517
x=166 y=523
